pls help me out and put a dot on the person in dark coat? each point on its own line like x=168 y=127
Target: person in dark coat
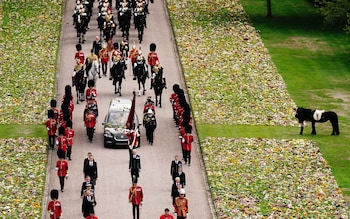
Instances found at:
x=175 y=164
x=89 y=203
x=135 y=165
x=90 y=169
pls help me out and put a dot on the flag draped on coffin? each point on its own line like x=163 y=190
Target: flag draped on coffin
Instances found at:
x=130 y=121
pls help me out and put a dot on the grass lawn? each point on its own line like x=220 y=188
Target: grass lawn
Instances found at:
x=315 y=66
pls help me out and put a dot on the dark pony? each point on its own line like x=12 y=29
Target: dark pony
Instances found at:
x=141 y=74
x=158 y=84
x=118 y=73
x=79 y=81
x=314 y=116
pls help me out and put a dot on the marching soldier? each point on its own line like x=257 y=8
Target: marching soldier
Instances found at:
x=132 y=56
x=90 y=123
x=79 y=54
x=152 y=57
x=61 y=143
x=135 y=198
x=54 y=207
x=62 y=171
x=91 y=92
x=150 y=123
x=104 y=57
x=51 y=126
x=69 y=133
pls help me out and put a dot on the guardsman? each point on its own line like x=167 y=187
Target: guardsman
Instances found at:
x=149 y=104
x=54 y=207
x=61 y=143
x=152 y=57
x=51 y=126
x=104 y=57
x=124 y=47
x=187 y=140
x=79 y=54
x=91 y=92
x=62 y=171
x=69 y=133
x=150 y=123
x=90 y=123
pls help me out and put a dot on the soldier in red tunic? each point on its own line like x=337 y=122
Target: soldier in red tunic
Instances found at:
x=132 y=56
x=91 y=92
x=152 y=57
x=135 y=198
x=61 y=143
x=187 y=140
x=62 y=171
x=69 y=133
x=104 y=57
x=51 y=126
x=54 y=207
x=90 y=122
x=79 y=54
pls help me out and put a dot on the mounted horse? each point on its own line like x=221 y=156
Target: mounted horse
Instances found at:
x=314 y=116
x=141 y=73
x=94 y=71
x=140 y=23
x=81 y=24
x=118 y=73
x=158 y=83
x=79 y=81
x=124 y=17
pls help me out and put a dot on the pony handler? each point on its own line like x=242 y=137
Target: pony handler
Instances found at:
x=314 y=116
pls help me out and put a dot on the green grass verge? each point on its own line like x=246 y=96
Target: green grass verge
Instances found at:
x=314 y=64
x=20 y=131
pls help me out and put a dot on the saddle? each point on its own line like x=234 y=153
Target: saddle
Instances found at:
x=318 y=115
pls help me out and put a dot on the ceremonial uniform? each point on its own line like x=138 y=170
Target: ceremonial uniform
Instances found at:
x=62 y=145
x=166 y=215
x=54 y=207
x=187 y=140
x=90 y=122
x=79 y=55
x=104 y=56
x=62 y=171
x=150 y=123
x=135 y=198
x=51 y=126
x=69 y=133
x=181 y=205
x=132 y=56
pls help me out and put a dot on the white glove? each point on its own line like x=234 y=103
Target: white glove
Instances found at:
x=51 y=213
x=67 y=176
x=56 y=168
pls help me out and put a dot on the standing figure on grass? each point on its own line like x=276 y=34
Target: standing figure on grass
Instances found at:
x=54 y=207
x=51 y=126
x=135 y=198
x=62 y=171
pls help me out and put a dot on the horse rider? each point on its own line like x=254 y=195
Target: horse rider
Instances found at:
x=132 y=56
x=157 y=69
x=88 y=62
x=124 y=47
x=140 y=60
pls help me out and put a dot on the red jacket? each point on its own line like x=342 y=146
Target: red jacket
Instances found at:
x=91 y=93
x=187 y=140
x=90 y=120
x=69 y=133
x=181 y=206
x=133 y=55
x=91 y=217
x=80 y=55
x=152 y=58
x=103 y=55
x=135 y=195
x=62 y=142
x=55 y=207
x=169 y=216
x=62 y=166
x=51 y=126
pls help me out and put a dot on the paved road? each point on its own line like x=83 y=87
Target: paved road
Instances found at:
x=114 y=178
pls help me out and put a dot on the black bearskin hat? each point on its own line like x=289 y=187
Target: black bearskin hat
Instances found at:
x=54 y=194
x=78 y=47
x=115 y=45
x=50 y=114
x=152 y=47
x=53 y=103
x=91 y=83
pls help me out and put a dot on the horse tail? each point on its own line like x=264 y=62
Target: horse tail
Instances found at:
x=335 y=123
